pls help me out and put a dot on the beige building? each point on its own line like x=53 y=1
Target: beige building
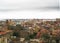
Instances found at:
x=4 y=36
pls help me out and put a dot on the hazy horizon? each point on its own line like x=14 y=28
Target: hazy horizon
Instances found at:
x=27 y=4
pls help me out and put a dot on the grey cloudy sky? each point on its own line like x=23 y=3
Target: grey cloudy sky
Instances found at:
x=27 y=4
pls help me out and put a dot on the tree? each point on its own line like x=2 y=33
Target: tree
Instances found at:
x=19 y=27
x=44 y=34
x=31 y=36
x=46 y=37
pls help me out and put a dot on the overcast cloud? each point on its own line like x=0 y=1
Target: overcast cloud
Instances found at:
x=27 y=4
x=29 y=9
